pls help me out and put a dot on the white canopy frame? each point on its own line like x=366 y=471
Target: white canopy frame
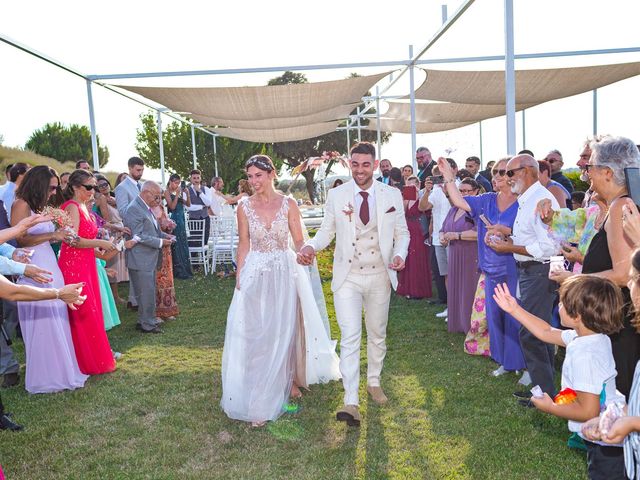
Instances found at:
x=408 y=66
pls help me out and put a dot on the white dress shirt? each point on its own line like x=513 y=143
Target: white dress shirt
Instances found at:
x=205 y=196
x=439 y=211
x=8 y=196
x=528 y=229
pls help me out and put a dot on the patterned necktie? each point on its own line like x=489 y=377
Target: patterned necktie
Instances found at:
x=139 y=186
x=364 y=208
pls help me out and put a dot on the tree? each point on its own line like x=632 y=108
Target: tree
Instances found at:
x=294 y=153
x=66 y=144
x=178 y=155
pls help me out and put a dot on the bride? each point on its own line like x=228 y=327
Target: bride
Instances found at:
x=276 y=340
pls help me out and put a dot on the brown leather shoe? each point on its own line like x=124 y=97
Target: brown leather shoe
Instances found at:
x=11 y=380
x=349 y=414
x=377 y=395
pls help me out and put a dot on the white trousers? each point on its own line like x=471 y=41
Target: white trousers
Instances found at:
x=371 y=292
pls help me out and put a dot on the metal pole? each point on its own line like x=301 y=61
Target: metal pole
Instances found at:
x=378 y=133
x=92 y=123
x=481 y=155
x=595 y=111
x=348 y=140
x=444 y=13
x=161 y=146
x=193 y=148
x=510 y=77
x=358 y=120
x=215 y=154
x=524 y=131
x=412 y=98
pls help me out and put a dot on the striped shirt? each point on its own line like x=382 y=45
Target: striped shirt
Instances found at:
x=632 y=441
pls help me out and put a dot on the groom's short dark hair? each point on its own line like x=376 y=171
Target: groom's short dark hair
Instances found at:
x=365 y=148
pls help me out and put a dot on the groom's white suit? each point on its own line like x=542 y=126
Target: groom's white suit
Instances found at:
x=361 y=273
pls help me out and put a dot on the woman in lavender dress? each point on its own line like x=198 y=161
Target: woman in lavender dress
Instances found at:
x=51 y=359
x=460 y=233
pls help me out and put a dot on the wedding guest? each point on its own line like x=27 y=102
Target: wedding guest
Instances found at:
x=407 y=171
x=83 y=165
x=200 y=203
x=69 y=294
x=531 y=247
x=498 y=207
x=166 y=303
x=460 y=233
x=590 y=309
x=486 y=173
x=51 y=360
x=16 y=174
x=78 y=264
x=472 y=165
x=385 y=169
x=557 y=189
x=463 y=173
x=415 y=280
x=554 y=158
x=337 y=183
x=120 y=178
x=177 y=198
x=609 y=252
x=64 y=179
x=106 y=207
x=425 y=164
x=395 y=178
x=144 y=258
x=577 y=199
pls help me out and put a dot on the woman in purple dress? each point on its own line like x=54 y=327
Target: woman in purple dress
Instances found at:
x=460 y=233
x=51 y=359
x=415 y=280
x=495 y=208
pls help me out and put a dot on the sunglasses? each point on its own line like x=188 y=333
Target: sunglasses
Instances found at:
x=90 y=187
x=499 y=173
x=103 y=185
x=589 y=166
x=466 y=191
x=551 y=160
x=53 y=188
x=512 y=172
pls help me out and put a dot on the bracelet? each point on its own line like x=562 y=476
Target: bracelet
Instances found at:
x=57 y=293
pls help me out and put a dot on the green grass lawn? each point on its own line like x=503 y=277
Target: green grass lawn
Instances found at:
x=158 y=415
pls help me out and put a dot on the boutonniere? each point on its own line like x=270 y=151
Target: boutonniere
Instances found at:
x=348 y=210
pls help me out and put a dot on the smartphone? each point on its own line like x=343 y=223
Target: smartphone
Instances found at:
x=632 y=179
x=485 y=220
x=183 y=184
x=437 y=179
x=409 y=192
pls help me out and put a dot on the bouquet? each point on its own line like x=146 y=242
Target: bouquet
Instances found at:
x=61 y=221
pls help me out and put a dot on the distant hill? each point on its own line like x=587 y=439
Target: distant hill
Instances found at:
x=14 y=155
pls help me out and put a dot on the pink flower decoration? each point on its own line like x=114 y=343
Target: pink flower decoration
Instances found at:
x=479 y=304
x=472 y=346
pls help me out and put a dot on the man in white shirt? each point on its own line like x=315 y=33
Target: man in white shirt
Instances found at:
x=531 y=247
x=200 y=202
x=16 y=174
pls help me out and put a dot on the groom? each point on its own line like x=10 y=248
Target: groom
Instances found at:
x=367 y=219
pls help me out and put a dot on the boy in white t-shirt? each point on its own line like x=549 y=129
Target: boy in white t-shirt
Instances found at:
x=592 y=307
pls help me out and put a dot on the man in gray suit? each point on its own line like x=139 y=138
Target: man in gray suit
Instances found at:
x=145 y=257
x=126 y=192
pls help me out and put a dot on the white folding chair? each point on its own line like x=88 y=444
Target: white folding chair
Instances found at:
x=198 y=250
x=223 y=241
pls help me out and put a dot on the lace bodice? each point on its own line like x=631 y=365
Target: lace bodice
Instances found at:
x=263 y=238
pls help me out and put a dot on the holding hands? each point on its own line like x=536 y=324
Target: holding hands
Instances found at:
x=306 y=255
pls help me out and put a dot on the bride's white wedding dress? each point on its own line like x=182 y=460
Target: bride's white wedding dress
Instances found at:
x=264 y=321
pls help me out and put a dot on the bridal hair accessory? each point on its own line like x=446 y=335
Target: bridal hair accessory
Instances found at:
x=260 y=161
x=348 y=210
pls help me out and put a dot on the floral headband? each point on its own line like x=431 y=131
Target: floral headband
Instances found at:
x=259 y=162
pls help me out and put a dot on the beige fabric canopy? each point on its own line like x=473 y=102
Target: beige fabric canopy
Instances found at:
x=336 y=113
x=447 y=112
x=260 y=103
x=532 y=86
x=278 y=134
x=404 y=126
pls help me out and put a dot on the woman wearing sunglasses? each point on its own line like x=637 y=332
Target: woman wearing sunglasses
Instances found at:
x=499 y=207
x=78 y=264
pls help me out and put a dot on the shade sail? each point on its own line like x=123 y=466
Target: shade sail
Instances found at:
x=260 y=103
x=404 y=126
x=447 y=112
x=532 y=86
x=277 y=134
x=336 y=113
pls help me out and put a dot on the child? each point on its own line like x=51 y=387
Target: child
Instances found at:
x=592 y=308
x=626 y=428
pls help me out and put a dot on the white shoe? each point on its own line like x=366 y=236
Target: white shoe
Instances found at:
x=525 y=379
x=446 y=320
x=443 y=314
x=499 y=371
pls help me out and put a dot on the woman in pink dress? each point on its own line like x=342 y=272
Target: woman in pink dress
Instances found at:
x=78 y=264
x=51 y=359
x=415 y=280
